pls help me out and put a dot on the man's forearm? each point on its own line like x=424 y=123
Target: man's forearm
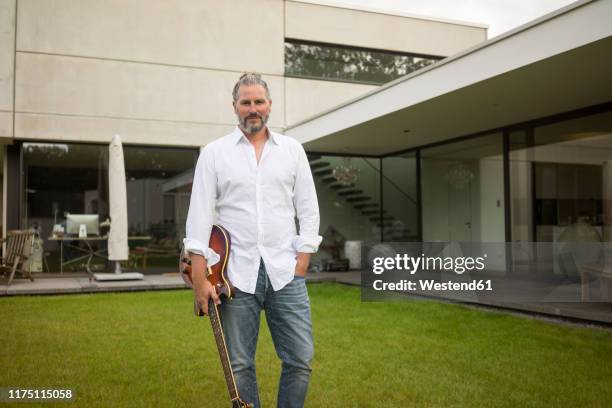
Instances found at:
x=198 y=268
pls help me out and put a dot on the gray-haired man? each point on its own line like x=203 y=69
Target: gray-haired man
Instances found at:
x=254 y=182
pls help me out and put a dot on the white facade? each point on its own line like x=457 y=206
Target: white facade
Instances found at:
x=161 y=73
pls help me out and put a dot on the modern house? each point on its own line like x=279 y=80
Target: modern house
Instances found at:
x=160 y=74
x=509 y=141
x=417 y=129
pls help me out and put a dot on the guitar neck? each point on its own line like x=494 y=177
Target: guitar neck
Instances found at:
x=213 y=312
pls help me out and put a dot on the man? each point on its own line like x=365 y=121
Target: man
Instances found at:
x=254 y=182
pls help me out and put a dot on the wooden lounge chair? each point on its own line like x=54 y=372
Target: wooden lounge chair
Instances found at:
x=18 y=249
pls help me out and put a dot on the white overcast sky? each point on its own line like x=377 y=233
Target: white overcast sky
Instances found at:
x=499 y=15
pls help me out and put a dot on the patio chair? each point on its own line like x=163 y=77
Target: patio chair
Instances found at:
x=18 y=249
x=165 y=247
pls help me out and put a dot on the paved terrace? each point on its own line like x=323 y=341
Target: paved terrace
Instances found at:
x=55 y=284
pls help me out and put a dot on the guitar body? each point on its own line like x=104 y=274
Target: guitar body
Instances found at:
x=220 y=242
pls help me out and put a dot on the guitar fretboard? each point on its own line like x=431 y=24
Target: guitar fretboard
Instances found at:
x=213 y=312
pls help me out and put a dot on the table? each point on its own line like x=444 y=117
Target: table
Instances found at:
x=88 y=251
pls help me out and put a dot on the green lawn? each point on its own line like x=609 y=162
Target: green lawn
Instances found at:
x=147 y=350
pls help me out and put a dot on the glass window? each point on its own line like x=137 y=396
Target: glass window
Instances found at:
x=561 y=180
x=65 y=178
x=349 y=64
x=463 y=191
x=348 y=191
x=159 y=189
x=400 y=206
x=60 y=178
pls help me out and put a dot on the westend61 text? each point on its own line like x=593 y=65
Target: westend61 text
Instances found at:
x=428 y=285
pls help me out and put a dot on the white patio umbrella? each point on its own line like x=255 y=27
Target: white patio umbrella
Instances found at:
x=118 y=249
x=117 y=190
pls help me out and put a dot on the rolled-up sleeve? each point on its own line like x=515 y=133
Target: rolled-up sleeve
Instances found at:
x=306 y=206
x=201 y=215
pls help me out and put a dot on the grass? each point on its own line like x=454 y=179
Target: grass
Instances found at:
x=146 y=349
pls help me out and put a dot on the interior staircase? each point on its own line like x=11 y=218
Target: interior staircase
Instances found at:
x=356 y=195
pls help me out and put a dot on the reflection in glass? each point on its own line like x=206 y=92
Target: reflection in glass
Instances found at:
x=400 y=206
x=348 y=211
x=65 y=178
x=561 y=193
x=561 y=180
x=462 y=191
x=159 y=188
x=349 y=64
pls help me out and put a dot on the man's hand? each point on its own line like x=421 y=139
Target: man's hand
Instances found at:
x=202 y=288
x=301 y=267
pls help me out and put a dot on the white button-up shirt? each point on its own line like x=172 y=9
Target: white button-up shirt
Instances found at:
x=256 y=204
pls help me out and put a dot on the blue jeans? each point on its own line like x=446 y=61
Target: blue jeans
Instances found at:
x=288 y=316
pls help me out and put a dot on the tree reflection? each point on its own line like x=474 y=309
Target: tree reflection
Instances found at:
x=322 y=61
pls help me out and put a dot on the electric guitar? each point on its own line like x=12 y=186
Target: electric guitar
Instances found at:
x=217 y=275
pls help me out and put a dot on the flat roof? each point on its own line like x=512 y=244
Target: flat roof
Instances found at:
x=557 y=63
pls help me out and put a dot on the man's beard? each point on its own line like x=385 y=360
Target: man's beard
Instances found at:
x=253 y=127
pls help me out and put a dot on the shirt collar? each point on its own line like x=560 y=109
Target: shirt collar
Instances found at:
x=238 y=135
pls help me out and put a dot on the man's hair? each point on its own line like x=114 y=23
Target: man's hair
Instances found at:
x=250 y=78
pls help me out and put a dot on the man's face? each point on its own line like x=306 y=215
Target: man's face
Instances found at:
x=252 y=108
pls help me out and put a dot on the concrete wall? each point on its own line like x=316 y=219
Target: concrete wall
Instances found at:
x=86 y=98
x=341 y=25
x=155 y=72
x=161 y=73
x=7 y=56
x=195 y=33
x=306 y=97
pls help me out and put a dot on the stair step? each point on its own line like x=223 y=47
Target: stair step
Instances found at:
x=328 y=179
x=340 y=186
x=323 y=172
x=384 y=218
x=358 y=199
x=313 y=157
x=373 y=212
x=318 y=165
x=350 y=192
x=368 y=205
